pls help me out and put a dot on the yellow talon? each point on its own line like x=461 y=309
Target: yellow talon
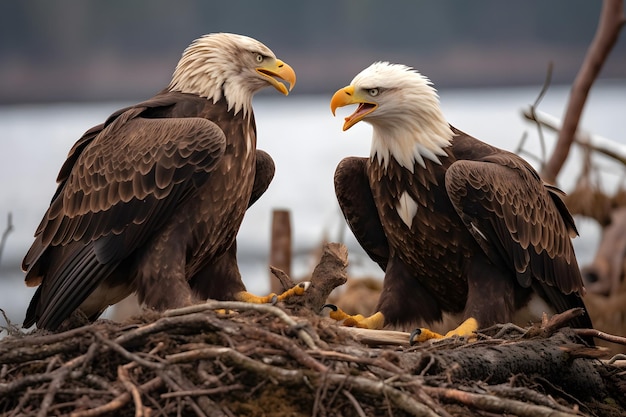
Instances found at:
x=296 y=290
x=466 y=329
x=375 y=321
x=272 y=298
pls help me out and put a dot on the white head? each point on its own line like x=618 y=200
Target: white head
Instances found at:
x=403 y=108
x=230 y=65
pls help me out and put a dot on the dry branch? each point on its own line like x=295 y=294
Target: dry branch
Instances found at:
x=611 y=21
x=494 y=404
x=596 y=143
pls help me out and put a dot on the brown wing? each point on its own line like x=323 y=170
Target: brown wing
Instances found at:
x=501 y=199
x=263 y=175
x=355 y=199
x=124 y=184
x=519 y=223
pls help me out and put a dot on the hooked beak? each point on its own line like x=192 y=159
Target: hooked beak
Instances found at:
x=347 y=96
x=278 y=70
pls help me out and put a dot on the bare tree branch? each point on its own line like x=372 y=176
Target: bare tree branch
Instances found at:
x=611 y=21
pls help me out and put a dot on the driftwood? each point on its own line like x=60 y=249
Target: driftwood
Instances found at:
x=232 y=359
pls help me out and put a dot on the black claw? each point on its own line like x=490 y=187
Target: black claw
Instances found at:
x=415 y=333
x=331 y=306
x=274 y=300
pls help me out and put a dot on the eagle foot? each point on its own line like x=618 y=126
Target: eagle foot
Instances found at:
x=298 y=289
x=375 y=321
x=466 y=329
x=273 y=298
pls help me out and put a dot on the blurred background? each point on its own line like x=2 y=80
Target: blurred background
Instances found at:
x=118 y=49
x=66 y=65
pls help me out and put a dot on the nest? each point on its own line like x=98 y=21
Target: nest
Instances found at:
x=237 y=359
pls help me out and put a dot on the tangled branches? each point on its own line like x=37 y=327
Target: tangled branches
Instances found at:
x=226 y=358
x=223 y=359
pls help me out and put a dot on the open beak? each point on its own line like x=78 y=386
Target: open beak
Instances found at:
x=278 y=70
x=347 y=96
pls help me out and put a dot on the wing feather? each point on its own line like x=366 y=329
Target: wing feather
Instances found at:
x=126 y=180
x=129 y=157
x=357 y=204
x=503 y=197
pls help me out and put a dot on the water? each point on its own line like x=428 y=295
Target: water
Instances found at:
x=306 y=143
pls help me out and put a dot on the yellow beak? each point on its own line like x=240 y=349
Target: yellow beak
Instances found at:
x=347 y=96
x=278 y=69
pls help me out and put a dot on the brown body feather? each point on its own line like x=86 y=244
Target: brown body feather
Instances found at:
x=487 y=233
x=149 y=200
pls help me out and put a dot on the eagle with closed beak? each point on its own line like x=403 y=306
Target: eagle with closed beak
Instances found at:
x=151 y=200
x=457 y=225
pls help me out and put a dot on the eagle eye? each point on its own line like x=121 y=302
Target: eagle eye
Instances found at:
x=259 y=58
x=373 y=92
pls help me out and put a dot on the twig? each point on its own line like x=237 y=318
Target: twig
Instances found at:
x=533 y=108
x=285 y=280
x=527 y=395
x=167 y=323
x=506 y=328
x=126 y=354
x=354 y=402
x=601 y=335
x=207 y=391
x=58 y=376
x=288 y=346
x=378 y=362
x=54 y=386
x=495 y=404
x=10 y=328
x=122 y=374
x=119 y=401
x=24 y=349
x=240 y=305
x=173 y=381
x=551 y=325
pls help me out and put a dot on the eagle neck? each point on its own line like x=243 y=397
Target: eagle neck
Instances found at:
x=410 y=145
x=238 y=98
x=215 y=85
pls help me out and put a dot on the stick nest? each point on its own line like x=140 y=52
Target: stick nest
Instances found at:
x=237 y=359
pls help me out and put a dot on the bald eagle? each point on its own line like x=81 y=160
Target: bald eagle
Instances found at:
x=151 y=200
x=457 y=225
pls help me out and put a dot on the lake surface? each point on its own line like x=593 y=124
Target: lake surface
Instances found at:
x=306 y=143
